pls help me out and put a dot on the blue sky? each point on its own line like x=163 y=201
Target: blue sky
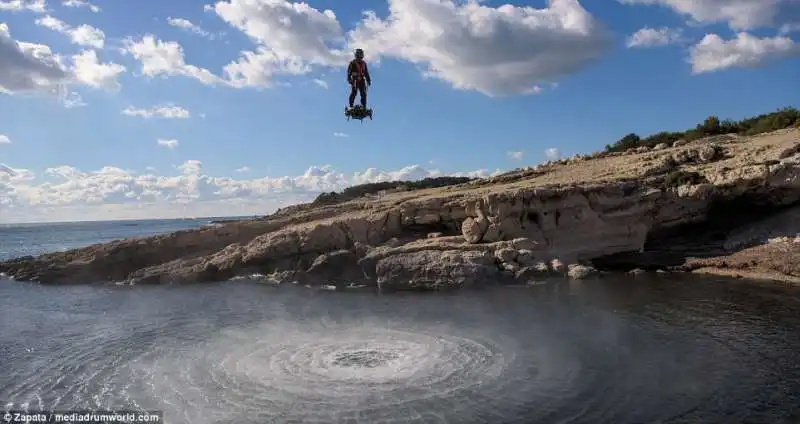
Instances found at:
x=133 y=109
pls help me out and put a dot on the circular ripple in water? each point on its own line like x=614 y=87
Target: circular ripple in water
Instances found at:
x=293 y=373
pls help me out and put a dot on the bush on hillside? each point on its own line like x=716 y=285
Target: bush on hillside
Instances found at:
x=362 y=190
x=780 y=119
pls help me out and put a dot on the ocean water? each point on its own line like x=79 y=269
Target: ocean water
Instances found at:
x=663 y=349
x=34 y=239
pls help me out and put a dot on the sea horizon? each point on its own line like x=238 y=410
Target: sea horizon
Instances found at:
x=91 y=221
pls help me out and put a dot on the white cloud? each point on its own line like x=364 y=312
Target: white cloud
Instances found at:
x=552 y=153
x=496 y=51
x=739 y=14
x=291 y=39
x=167 y=111
x=320 y=83
x=52 y=23
x=170 y=144
x=84 y=35
x=28 y=66
x=81 y=3
x=4 y=139
x=516 y=155
x=340 y=134
x=291 y=32
x=789 y=28
x=243 y=169
x=36 y=6
x=187 y=25
x=651 y=37
x=88 y=70
x=68 y=193
x=160 y=58
x=713 y=53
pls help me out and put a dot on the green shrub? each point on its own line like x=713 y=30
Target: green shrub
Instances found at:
x=361 y=190
x=780 y=119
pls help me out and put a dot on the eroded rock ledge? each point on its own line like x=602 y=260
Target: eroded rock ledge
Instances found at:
x=553 y=219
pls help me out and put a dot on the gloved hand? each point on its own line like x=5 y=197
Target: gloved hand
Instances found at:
x=369 y=83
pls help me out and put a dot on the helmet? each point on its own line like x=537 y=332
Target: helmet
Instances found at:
x=359 y=54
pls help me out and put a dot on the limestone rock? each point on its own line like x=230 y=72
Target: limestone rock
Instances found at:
x=474 y=228
x=575 y=210
x=579 y=272
x=541 y=267
x=506 y=255
x=336 y=267
x=430 y=270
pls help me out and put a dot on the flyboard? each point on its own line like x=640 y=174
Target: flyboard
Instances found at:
x=358 y=112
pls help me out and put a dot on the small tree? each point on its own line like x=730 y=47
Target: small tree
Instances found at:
x=628 y=142
x=711 y=126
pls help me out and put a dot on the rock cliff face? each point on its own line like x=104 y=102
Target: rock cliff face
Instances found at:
x=516 y=227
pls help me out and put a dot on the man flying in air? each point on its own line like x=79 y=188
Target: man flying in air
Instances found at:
x=358 y=78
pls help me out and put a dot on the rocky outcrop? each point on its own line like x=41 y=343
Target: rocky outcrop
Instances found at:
x=554 y=219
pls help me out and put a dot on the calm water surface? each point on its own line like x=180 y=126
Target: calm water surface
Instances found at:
x=662 y=349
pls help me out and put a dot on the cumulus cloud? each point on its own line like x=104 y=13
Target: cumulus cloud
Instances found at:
x=516 y=155
x=68 y=193
x=168 y=143
x=90 y=71
x=290 y=35
x=652 y=37
x=28 y=66
x=81 y=3
x=187 y=25
x=84 y=35
x=36 y=6
x=739 y=14
x=552 y=153
x=340 y=134
x=243 y=169
x=165 y=58
x=494 y=50
x=320 y=83
x=713 y=53
x=167 y=111
x=4 y=139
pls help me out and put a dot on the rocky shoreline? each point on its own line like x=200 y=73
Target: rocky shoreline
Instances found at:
x=708 y=206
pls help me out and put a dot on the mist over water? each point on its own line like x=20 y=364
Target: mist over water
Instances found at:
x=638 y=351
